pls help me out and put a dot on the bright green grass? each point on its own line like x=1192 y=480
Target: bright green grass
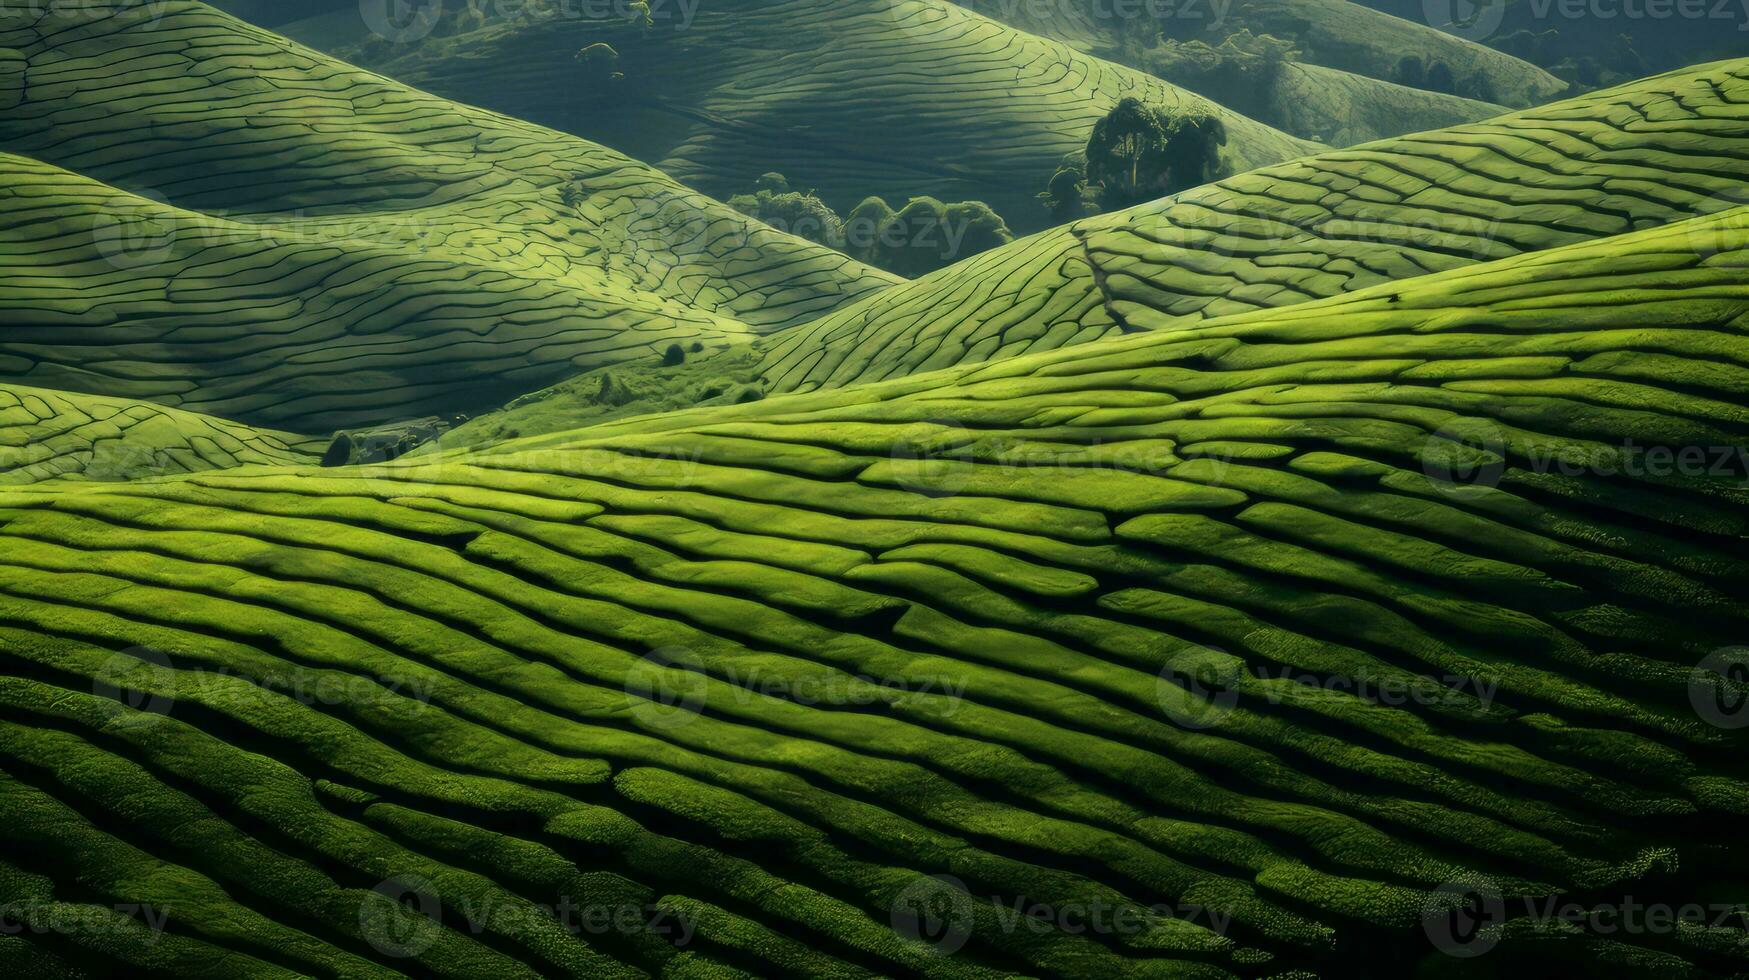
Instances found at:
x=51 y=434
x=940 y=625
x=206 y=215
x=1632 y=157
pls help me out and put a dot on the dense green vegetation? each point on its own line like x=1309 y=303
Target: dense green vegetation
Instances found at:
x=873 y=98
x=635 y=664
x=1601 y=164
x=433 y=545
x=281 y=238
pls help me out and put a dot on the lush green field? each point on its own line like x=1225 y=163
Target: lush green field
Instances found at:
x=47 y=435
x=1602 y=164
x=1217 y=626
x=1272 y=581
x=282 y=239
x=895 y=98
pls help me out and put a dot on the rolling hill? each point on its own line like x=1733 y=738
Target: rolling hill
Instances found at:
x=1303 y=96
x=895 y=98
x=47 y=435
x=1274 y=634
x=1609 y=162
x=208 y=216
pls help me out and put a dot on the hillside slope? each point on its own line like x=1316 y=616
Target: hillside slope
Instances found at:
x=895 y=98
x=206 y=215
x=1302 y=97
x=1643 y=154
x=48 y=435
x=1271 y=636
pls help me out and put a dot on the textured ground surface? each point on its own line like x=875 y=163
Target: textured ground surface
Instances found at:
x=51 y=434
x=248 y=229
x=895 y=98
x=1112 y=625
x=1308 y=98
x=1606 y=163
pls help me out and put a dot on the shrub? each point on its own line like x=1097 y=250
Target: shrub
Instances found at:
x=1139 y=152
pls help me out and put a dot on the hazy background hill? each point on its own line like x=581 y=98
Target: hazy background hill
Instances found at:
x=891 y=98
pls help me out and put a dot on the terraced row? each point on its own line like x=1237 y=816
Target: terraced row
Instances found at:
x=896 y=98
x=50 y=434
x=1616 y=161
x=1254 y=634
x=203 y=214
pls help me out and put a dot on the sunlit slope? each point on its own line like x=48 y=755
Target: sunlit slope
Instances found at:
x=50 y=434
x=852 y=98
x=205 y=215
x=1306 y=98
x=1289 y=619
x=1643 y=154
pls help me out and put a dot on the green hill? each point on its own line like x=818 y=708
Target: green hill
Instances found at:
x=206 y=215
x=895 y=98
x=1605 y=163
x=50 y=434
x=1267 y=635
x=1298 y=94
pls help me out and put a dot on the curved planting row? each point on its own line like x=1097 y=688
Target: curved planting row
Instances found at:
x=205 y=215
x=1616 y=161
x=1268 y=646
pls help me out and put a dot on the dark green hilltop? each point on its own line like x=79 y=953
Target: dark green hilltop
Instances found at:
x=485 y=492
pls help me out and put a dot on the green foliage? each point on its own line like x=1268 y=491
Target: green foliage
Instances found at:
x=924 y=235
x=794 y=212
x=1241 y=72
x=1140 y=152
